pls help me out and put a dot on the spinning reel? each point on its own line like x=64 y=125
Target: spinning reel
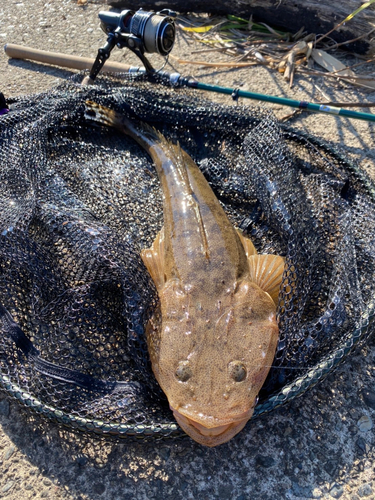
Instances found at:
x=141 y=32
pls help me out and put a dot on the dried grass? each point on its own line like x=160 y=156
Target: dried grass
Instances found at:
x=248 y=43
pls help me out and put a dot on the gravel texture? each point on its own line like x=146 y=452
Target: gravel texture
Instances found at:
x=319 y=446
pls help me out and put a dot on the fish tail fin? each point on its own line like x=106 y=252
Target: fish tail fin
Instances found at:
x=103 y=115
x=143 y=133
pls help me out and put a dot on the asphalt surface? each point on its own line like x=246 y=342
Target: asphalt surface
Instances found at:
x=318 y=446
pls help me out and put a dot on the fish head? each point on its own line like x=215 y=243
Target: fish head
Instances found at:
x=211 y=361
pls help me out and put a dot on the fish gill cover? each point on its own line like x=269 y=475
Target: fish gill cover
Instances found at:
x=79 y=202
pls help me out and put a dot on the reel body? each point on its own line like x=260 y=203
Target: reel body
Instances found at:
x=141 y=32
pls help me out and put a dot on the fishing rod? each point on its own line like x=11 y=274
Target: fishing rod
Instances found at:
x=177 y=79
x=149 y=32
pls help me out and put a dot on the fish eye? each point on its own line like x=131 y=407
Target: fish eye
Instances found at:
x=183 y=372
x=237 y=371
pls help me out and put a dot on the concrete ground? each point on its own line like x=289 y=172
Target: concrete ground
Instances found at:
x=318 y=446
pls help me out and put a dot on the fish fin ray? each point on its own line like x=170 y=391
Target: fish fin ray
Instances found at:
x=267 y=272
x=247 y=244
x=153 y=259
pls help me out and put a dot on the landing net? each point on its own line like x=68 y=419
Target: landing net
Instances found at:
x=79 y=202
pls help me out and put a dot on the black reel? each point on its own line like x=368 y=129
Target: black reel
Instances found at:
x=141 y=32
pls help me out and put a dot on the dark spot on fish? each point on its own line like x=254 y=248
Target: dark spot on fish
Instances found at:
x=183 y=372
x=237 y=371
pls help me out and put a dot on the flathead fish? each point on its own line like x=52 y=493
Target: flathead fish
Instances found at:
x=213 y=338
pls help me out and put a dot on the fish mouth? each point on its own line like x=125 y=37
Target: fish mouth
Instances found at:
x=210 y=436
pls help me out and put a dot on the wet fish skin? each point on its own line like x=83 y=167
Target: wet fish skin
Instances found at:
x=213 y=339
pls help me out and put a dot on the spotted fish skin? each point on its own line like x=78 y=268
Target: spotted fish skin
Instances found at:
x=213 y=338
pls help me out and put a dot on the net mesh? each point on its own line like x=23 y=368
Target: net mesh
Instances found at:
x=78 y=203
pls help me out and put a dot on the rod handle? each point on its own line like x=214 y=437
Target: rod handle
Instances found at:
x=15 y=51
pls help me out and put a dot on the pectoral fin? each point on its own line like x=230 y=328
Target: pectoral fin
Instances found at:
x=247 y=244
x=153 y=259
x=267 y=271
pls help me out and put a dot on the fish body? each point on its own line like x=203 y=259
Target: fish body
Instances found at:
x=213 y=338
